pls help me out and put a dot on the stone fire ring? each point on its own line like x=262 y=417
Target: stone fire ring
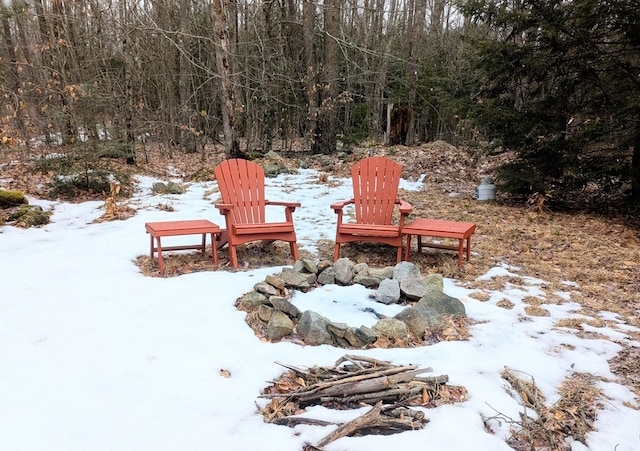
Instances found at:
x=428 y=308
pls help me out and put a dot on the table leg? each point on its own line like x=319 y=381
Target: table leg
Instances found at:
x=151 y=251
x=204 y=242
x=468 y=248
x=160 y=260
x=460 y=250
x=214 y=249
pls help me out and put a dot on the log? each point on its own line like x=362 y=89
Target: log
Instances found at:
x=369 y=418
x=368 y=385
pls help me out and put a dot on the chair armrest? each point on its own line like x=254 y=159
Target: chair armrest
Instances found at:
x=405 y=207
x=290 y=205
x=338 y=206
x=224 y=208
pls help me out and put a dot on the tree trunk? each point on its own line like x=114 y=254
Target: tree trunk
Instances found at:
x=224 y=66
x=325 y=142
x=416 y=26
x=635 y=166
x=311 y=80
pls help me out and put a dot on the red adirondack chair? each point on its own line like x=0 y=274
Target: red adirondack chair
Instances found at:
x=243 y=205
x=375 y=195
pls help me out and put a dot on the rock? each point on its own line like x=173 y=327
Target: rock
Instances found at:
x=29 y=216
x=298 y=266
x=275 y=281
x=252 y=299
x=439 y=303
x=338 y=329
x=344 y=271
x=265 y=312
x=310 y=265
x=265 y=288
x=271 y=170
x=12 y=198
x=366 y=334
x=417 y=320
x=279 y=325
x=327 y=276
x=363 y=278
x=167 y=188
x=313 y=328
x=404 y=270
x=296 y=279
x=324 y=264
x=282 y=304
x=273 y=155
x=360 y=267
x=352 y=338
x=414 y=287
x=382 y=273
x=388 y=292
x=434 y=281
x=391 y=328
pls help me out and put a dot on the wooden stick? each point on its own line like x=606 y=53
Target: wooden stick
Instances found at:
x=370 y=417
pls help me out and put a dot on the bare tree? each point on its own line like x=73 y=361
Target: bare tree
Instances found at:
x=222 y=23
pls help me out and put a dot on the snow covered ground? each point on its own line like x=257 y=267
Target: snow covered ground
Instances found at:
x=95 y=356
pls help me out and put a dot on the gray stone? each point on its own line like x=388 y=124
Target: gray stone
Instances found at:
x=434 y=281
x=417 y=320
x=275 y=281
x=311 y=278
x=344 y=271
x=404 y=270
x=391 y=328
x=327 y=276
x=265 y=312
x=283 y=304
x=298 y=266
x=296 y=279
x=366 y=334
x=324 y=264
x=279 y=326
x=313 y=328
x=353 y=339
x=359 y=267
x=388 y=292
x=437 y=302
x=363 y=278
x=273 y=155
x=253 y=299
x=338 y=329
x=265 y=288
x=414 y=287
x=168 y=188
x=310 y=265
x=382 y=273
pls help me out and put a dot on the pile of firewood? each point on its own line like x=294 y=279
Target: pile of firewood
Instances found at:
x=354 y=382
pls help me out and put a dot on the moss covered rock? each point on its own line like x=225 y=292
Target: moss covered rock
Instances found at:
x=29 y=216
x=9 y=198
x=168 y=188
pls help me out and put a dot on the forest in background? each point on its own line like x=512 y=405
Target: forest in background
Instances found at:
x=557 y=82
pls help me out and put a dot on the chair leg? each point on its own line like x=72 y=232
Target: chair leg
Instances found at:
x=233 y=256
x=294 y=251
x=336 y=252
x=399 y=254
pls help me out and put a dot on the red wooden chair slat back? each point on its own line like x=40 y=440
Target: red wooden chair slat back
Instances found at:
x=241 y=184
x=375 y=189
